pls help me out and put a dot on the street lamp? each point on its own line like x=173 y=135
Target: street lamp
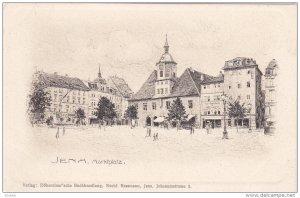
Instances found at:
x=224 y=99
x=249 y=111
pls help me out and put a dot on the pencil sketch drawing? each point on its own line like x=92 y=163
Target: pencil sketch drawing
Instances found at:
x=149 y=97
x=237 y=97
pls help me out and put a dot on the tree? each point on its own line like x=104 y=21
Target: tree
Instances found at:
x=105 y=110
x=39 y=101
x=236 y=111
x=80 y=115
x=131 y=113
x=176 y=111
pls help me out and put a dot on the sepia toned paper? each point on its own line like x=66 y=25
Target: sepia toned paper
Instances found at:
x=127 y=41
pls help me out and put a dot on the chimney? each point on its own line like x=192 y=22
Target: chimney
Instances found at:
x=66 y=75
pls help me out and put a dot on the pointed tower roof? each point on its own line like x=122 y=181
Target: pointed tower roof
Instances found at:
x=99 y=72
x=166 y=44
x=166 y=57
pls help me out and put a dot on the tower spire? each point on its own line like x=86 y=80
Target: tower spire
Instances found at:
x=166 y=44
x=99 y=73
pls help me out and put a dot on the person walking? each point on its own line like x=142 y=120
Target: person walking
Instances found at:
x=57 y=133
x=192 y=129
x=207 y=128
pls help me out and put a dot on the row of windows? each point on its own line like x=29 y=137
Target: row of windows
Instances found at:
x=161 y=74
x=161 y=91
x=115 y=98
x=239 y=72
x=217 y=98
x=239 y=85
x=162 y=82
x=212 y=86
x=67 y=108
x=168 y=105
x=212 y=112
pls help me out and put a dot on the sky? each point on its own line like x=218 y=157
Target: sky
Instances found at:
x=127 y=39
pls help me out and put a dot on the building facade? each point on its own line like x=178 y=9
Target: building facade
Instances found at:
x=68 y=94
x=201 y=93
x=270 y=91
x=242 y=81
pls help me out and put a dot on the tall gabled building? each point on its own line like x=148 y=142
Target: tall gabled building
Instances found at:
x=270 y=91
x=162 y=87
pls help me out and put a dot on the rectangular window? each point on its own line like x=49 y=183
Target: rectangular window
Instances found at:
x=248 y=96
x=158 y=91
x=166 y=90
x=145 y=106
x=190 y=104
x=168 y=104
x=162 y=91
x=229 y=87
x=154 y=105
x=166 y=82
x=161 y=73
x=208 y=98
x=248 y=84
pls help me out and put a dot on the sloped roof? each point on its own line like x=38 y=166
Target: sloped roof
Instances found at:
x=188 y=84
x=166 y=57
x=239 y=62
x=54 y=80
x=185 y=85
x=122 y=86
x=147 y=90
x=272 y=64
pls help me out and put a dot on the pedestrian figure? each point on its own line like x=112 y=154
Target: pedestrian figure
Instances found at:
x=57 y=133
x=64 y=130
x=192 y=129
x=156 y=136
x=207 y=128
x=147 y=134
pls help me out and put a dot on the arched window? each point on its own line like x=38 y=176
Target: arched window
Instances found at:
x=161 y=73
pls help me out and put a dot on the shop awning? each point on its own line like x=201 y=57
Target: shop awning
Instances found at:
x=271 y=120
x=159 y=119
x=190 y=116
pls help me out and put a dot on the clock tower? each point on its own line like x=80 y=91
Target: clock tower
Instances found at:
x=166 y=73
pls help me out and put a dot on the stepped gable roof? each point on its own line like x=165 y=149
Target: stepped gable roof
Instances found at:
x=55 y=80
x=122 y=86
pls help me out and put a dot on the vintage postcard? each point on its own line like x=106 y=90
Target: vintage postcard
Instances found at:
x=107 y=97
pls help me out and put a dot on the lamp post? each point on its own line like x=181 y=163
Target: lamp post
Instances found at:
x=249 y=111
x=224 y=99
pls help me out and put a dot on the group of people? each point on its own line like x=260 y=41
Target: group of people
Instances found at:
x=148 y=134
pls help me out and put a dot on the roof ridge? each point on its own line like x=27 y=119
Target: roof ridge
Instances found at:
x=193 y=80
